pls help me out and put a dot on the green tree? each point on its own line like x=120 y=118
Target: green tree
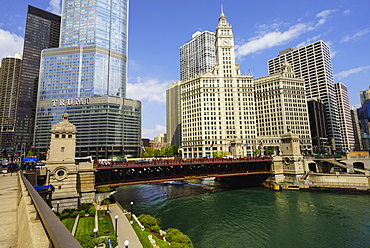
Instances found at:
x=30 y=153
x=270 y=152
x=256 y=152
x=148 y=153
x=220 y=154
x=105 y=189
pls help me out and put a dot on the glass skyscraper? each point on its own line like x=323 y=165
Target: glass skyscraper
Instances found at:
x=86 y=77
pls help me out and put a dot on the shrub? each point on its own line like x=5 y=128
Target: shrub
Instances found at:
x=178 y=239
x=82 y=213
x=74 y=214
x=148 y=221
x=105 y=189
x=154 y=228
x=91 y=211
x=68 y=210
x=85 y=206
x=171 y=233
x=64 y=215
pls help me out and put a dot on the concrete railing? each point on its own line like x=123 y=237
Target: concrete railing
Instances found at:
x=38 y=226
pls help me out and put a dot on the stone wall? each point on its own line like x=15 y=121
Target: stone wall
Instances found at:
x=30 y=229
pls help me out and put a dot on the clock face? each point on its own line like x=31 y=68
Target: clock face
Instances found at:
x=226 y=42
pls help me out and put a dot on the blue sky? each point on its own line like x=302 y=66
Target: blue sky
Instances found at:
x=157 y=29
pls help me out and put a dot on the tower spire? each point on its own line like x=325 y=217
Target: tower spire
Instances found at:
x=222 y=9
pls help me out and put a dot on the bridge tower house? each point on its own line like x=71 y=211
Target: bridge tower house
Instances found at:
x=73 y=182
x=288 y=166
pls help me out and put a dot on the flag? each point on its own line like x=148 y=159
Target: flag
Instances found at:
x=229 y=144
x=142 y=147
x=211 y=145
x=246 y=144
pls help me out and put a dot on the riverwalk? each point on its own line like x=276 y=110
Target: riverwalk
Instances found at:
x=124 y=228
x=8 y=210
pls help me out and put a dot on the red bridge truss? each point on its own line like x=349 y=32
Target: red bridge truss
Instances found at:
x=149 y=171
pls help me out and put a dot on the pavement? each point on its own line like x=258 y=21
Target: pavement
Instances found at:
x=124 y=230
x=8 y=210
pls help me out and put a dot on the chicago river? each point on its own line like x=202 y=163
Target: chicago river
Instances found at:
x=225 y=214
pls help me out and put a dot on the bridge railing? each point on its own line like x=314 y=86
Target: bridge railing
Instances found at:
x=178 y=161
x=54 y=228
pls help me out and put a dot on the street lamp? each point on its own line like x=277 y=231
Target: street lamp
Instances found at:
x=131 y=203
x=116 y=217
x=58 y=207
x=126 y=243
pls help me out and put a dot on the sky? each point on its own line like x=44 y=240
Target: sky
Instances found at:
x=158 y=28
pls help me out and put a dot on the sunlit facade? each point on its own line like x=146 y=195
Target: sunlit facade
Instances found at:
x=86 y=77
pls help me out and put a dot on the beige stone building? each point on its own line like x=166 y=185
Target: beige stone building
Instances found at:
x=73 y=182
x=218 y=106
x=281 y=105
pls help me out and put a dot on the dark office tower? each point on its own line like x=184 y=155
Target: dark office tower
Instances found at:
x=318 y=126
x=42 y=31
x=313 y=63
x=356 y=130
x=9 y=84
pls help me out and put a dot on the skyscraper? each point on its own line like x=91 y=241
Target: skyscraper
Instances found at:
x=10 y=71
x=345 y=119
x=364 y=95
x=198 y=55
x=42 y=31
x=318 y=126
x=281 y=106
x=86 y=77
x=313 y=63
x=173 y=114
x=218 y=107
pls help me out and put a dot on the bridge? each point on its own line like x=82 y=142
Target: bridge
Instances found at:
x=139 y=172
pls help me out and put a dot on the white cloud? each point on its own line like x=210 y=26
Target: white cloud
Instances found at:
x=356 y=35
x=333 y=53
x=148 y=89
x=344 y=74
x=347 y=12
x=151 y=133
x=54 y=7
x=10 y=44
x=324 y=15
x=265 y=40
x=309 y=41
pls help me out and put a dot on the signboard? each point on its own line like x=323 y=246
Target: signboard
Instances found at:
x=30 y=159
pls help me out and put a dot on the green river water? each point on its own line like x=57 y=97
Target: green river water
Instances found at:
x=223 y=214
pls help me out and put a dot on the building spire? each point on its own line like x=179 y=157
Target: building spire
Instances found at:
x=222 y=9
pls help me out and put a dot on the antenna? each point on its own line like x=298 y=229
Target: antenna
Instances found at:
x=222 y=9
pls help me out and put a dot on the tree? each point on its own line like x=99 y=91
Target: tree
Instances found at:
x=220 y=154
x=256 y=152
x=30 y=153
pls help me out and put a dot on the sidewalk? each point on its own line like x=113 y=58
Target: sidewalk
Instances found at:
x=124 y=230
x=8 y=210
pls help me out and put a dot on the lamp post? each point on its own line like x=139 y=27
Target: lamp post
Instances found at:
x=58 y=207
x=116 y=217
x=126 y=243
x=131 y=203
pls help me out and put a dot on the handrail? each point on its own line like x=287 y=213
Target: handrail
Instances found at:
x=56 y=231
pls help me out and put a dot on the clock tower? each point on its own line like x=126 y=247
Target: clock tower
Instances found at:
x=225 y=55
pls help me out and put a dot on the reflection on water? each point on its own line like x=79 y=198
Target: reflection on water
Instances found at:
x=225 y=214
